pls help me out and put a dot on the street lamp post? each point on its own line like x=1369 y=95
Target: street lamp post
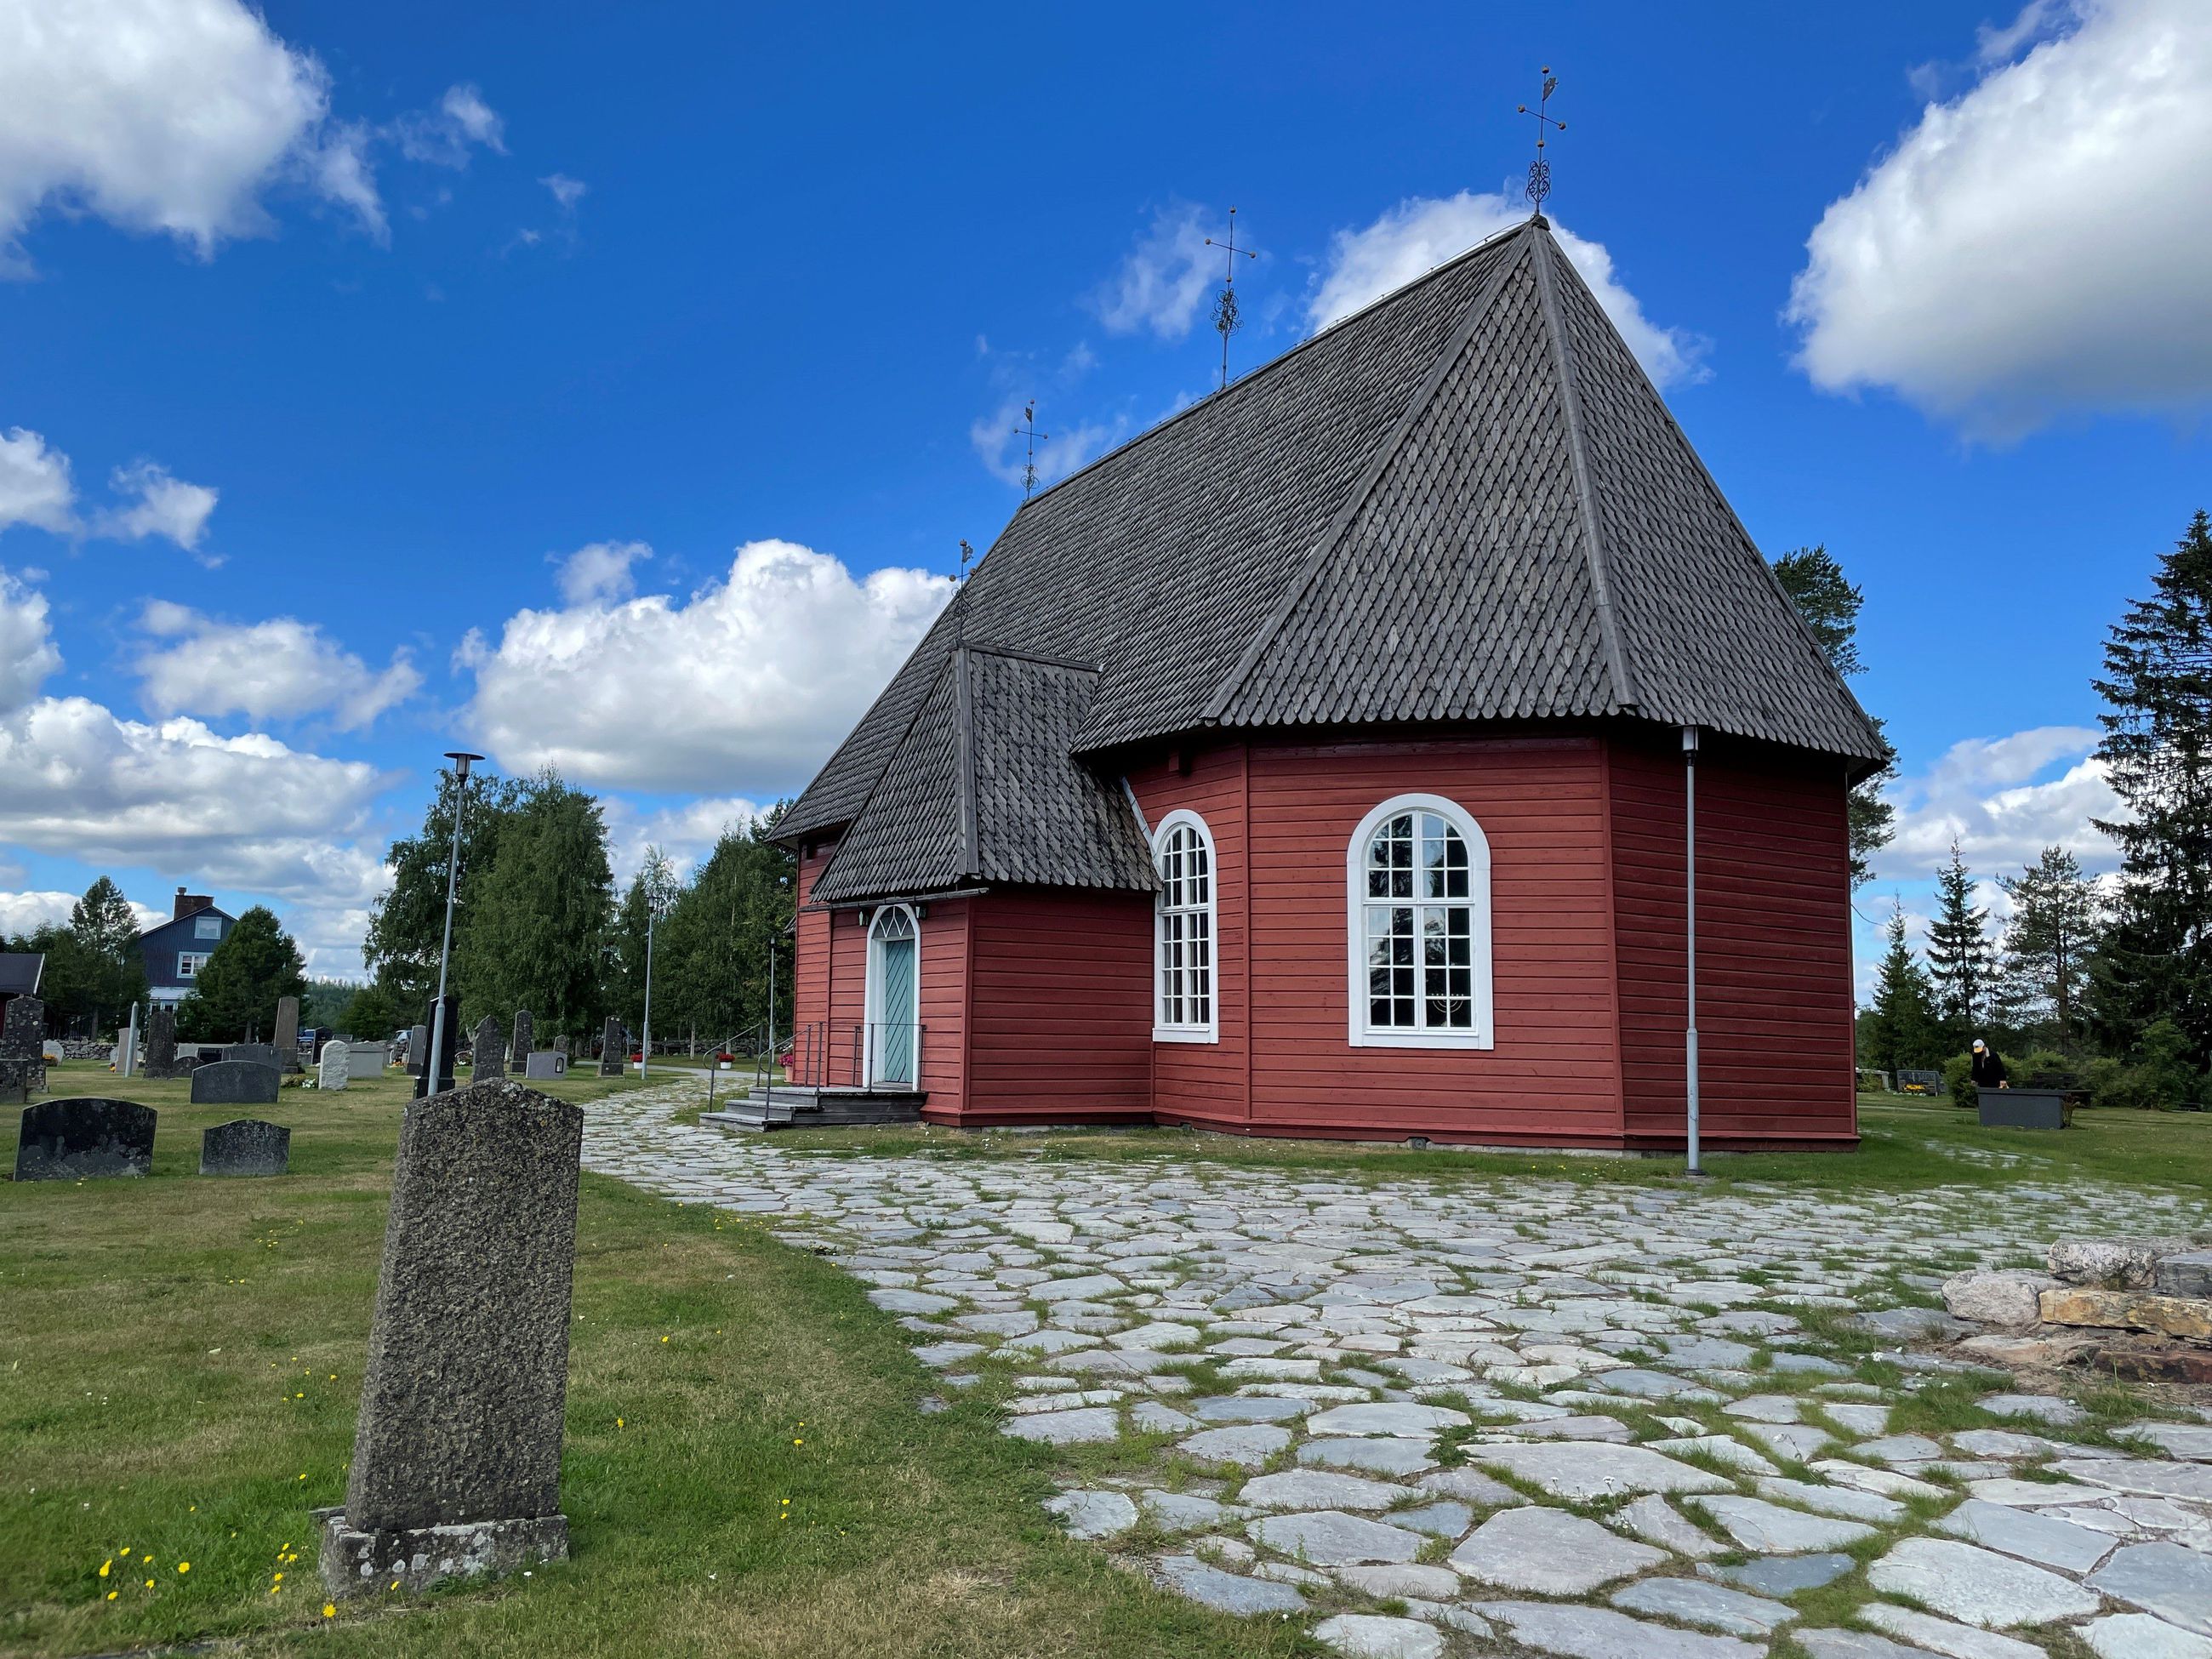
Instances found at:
x=645 y=1047
x=462 y=761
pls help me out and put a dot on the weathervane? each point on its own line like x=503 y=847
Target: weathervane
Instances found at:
x=1540 y=170
x=1026 y=429
x=1225 y=320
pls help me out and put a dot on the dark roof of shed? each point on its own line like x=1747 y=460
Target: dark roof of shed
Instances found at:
x=1466 y=503
x=20 y=971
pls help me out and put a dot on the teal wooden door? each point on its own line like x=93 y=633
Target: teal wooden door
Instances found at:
x=895 y=1011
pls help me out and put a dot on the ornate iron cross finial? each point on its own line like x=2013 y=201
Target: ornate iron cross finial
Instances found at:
x=967 y=554
x=1540 y=170
x=1225 y=320
x=1028 y=429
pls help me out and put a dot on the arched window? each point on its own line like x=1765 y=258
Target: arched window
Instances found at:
x=1418 y=899
x=1183 y=1007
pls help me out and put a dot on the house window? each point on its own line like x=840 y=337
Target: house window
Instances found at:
x=207 y=927
x=189 y=964
x=1418 y=901
x=1183 y=1008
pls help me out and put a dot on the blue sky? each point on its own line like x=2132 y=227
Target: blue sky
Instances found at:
x=382 y=379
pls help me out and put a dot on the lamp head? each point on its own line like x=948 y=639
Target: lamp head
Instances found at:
x=462 y=760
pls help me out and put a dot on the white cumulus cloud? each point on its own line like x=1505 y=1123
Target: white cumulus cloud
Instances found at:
x=166 y=506
x=281 y=669
x=27 y=654
x=35 y=488
x=599 y=573
x=22 y=913
x=1421 y=233
x=164 y=116
x=749 y=681
x=685 y=832
x=2003 y=800
x=444 y=136
x=1060 y=449
x=1164 y=277
x=2037 y=246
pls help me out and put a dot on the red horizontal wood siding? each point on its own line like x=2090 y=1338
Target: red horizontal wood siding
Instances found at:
x=1774 y=967
x=1059 y=1009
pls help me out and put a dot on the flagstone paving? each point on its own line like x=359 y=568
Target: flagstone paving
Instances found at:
x=1388 y=1406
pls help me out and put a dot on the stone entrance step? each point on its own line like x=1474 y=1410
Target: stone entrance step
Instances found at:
x=793 y=1106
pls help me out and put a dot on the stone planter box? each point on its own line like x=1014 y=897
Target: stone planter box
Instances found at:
x=2027 y=1109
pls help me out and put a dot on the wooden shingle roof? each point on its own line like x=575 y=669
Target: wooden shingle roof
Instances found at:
x=1466 y=503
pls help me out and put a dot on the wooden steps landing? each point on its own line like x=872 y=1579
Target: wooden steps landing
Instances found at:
x=790 y=1106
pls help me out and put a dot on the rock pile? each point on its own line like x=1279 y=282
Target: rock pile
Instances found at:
x=2154 y=1296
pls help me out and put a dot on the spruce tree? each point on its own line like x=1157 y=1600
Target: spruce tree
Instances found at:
x=2055 y=916
x=1960 y=960
x=1830 y=606
x=236 y=989
x=1901 y=1032
x=2157 y=750
x=406 y=926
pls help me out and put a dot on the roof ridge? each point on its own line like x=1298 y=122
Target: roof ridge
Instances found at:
x=1017 y=654
x=1253 y=376
x=1455 y=348
x=1547 y=299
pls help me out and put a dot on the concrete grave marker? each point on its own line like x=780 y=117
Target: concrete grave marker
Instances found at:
x=245 y=1146
x=73 y=1138
x=520 y=1048
x=126 y=1049
x=546 y=1063
x=490 y=1051
x=255 y=1053
x=418 y=1049
x=162 y=1041
x=335 y=1070
x=457 y=1460
x=561 y=1047
x=235 y=1082
x=287 y=1042
x=15 y=1090
x=23 y=1040
x=611 y=1048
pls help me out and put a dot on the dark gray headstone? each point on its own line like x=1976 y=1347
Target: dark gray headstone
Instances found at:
x=2024 y=1109
x=235 y=1082
x=545 y=1064
x=452 y=1045
x=255 y=1053
x=489 y=1051
x=418 y=1049
x=245 y=1146
x=70 y=1140
x=162 y=1041
x=522 y=1044
x=23 y=1038
x=287 y=1042
x=612 y=1049
x=561 y=1047
x=15 y=1083
x=468 y=1349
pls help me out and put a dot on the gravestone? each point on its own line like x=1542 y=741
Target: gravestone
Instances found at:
x=126 y=1051
x=521 y=1047
x=235 y=1082
x=448 y=1046
x=611 y=1048
x=287 y=1042
x=14 y=1091
x=369 y=1059
x=24 y=1039
x=457 y=1458
x=254 y=1053
x=546 y=1063
x=560 y=1047
x=489 y=1051
x=74 y=1139
x=418 y=1049
x=335 y=1069
x=162 y=1041
x=245 y=1146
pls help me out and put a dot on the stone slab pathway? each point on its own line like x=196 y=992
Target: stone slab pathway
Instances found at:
x=1444 y=1394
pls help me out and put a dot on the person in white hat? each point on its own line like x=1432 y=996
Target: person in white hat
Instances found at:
x=1989 y=1071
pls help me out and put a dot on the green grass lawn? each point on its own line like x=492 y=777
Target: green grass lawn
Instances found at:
x=745 y=1470
x=1905 y=1144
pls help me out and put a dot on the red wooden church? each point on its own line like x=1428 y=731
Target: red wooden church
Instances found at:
x=1314 y=764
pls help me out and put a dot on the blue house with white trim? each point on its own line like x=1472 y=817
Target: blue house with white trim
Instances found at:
x=175 y=951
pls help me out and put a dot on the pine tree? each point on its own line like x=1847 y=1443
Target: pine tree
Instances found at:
x=406 y=926
x=1960 y=960
x=2055 y=916
x=105 y=930
x=1830 y=606
x=2157 y=750
x=1901 y=1031
x=237 y=988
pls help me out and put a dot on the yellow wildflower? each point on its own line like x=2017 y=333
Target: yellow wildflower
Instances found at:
x=329 y=1610
x=106 y=1565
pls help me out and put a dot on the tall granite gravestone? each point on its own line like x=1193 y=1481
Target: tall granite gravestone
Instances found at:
x=245 y=1146
x=489 y=1050
x=335 y=1069
x=126 y=1049
x=611 y=1048
x=23 y=1040
x=255 y=1053
x=424 y=1084
x=71 y=1140
x=287 y=1042
x=457 y=1459
x=521 y=1048
x=162 y=1041
x=418 y=1049
x=235 y=1082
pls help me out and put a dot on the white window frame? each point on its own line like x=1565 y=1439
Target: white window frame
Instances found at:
x=1483 y=1034
x=1208 y=1029
x=197 y=959
x=208 y=927
x=871 y=1013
